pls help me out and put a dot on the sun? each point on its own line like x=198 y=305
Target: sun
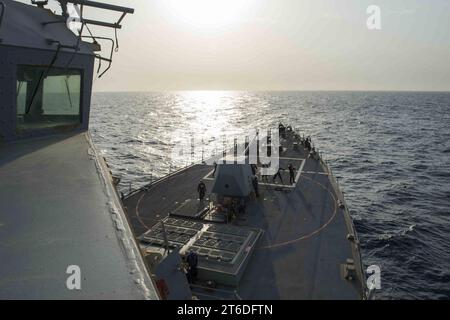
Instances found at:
x=207 y=13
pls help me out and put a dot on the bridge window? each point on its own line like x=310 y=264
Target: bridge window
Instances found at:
x=47 y=97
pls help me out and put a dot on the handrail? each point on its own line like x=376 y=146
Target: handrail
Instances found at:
x=148 y=185
x=350 y=224
x=100 y=5
x=367 y=294
x=100 y=58
x=170 y=174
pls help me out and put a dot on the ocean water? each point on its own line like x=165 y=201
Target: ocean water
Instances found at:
x=390 y=151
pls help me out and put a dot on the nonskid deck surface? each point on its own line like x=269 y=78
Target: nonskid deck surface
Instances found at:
x=59 y=209
x=304 y=245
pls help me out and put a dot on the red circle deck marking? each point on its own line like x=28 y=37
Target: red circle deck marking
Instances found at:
x=313 y=233
x=137 y=209
x=272 y=246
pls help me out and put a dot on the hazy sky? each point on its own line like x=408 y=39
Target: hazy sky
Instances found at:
x=280 y=45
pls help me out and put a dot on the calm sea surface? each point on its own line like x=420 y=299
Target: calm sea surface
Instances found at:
x=391 y=152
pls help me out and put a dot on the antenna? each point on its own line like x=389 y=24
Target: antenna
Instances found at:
x=66 y=18
x=99 y=5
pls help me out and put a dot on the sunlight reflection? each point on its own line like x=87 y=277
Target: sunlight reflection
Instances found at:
x=209 y=115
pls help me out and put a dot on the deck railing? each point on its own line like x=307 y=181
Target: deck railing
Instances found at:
x=340 y=195
x=157 y=180
x=132 y=191
x=332 y=179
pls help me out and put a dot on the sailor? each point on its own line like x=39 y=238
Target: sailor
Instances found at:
x=201 y=189
x=278 y=174
x=313 y=153
x=282 y=130
x=215 y=167
x=233 y=209
x=255 y=185
x=241 y=207
x=254 y=168
x=308 y=143
x=192 y=261
x=291 y=174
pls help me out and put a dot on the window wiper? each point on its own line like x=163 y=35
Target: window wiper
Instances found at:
x=68 y=91
x=39 y=84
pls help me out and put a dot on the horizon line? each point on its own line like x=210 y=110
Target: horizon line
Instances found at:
x=266 y=90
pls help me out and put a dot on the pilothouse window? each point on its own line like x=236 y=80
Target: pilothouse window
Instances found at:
x=47 y=97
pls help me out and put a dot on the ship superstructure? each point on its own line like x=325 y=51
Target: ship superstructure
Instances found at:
x=63 y=233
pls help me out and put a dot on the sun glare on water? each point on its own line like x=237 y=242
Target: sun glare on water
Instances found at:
x=207 y=13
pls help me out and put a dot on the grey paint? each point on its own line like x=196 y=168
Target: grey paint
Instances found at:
x=170 y=270
x=23 y=27
x=305 y=232
x=24 y=42
x=10 y=57
x=58 y=208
